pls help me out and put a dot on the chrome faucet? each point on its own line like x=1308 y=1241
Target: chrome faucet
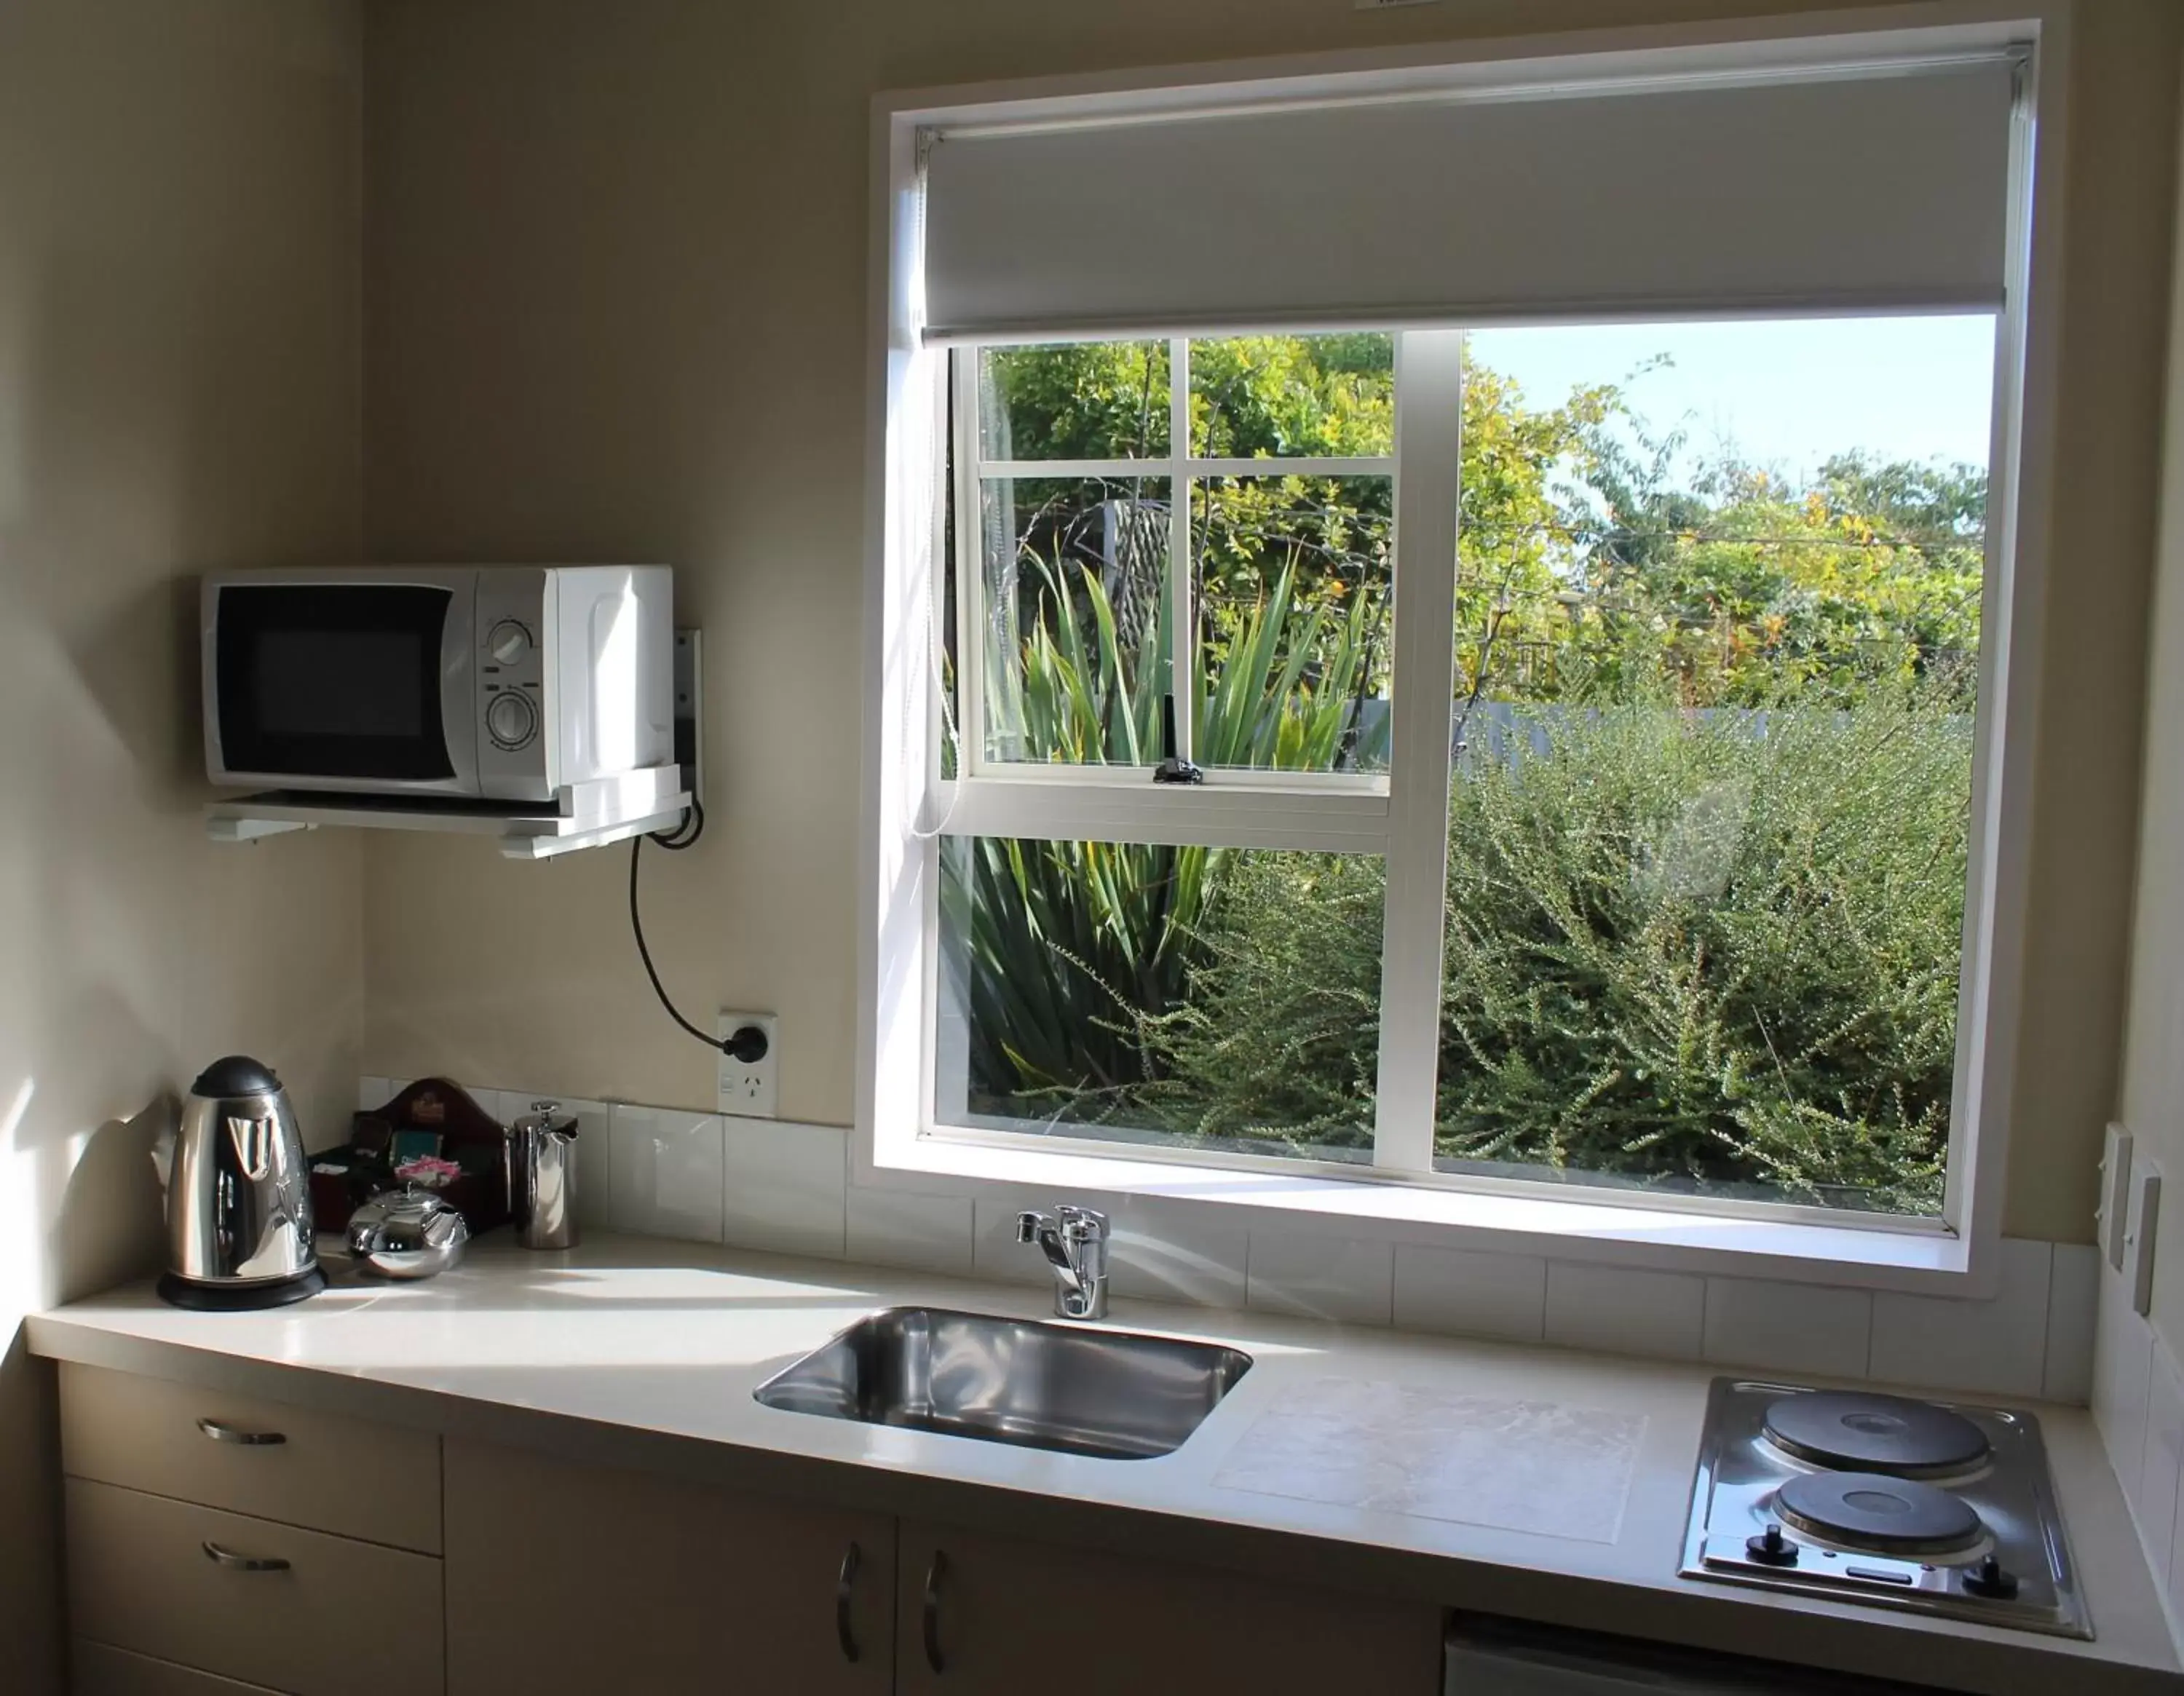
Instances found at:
x=1074 y=1240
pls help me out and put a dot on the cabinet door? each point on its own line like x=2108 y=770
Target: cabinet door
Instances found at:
x=564 y=1578
x=1001 y=1617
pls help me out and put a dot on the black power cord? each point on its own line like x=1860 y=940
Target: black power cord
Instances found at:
x=746 y=1045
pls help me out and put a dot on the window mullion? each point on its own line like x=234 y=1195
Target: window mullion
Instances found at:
x=1429 y=435
x=1183 y=614
x=970 y=574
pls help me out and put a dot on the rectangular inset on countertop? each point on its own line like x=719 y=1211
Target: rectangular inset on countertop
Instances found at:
x=1485 y=1461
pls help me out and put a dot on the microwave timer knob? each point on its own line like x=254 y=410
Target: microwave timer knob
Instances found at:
x=508 y=641
x=511 y=718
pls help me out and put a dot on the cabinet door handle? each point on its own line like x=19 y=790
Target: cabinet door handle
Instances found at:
x=227 y=1433
x=933 y=1574
x=844 y=1587
x=244 y=1563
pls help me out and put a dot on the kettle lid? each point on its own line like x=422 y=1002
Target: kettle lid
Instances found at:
x=236 y=1074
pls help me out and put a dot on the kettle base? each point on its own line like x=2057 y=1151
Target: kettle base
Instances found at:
x=186 y=1292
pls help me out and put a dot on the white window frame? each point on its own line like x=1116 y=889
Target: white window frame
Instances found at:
x=909 y=806
x=1389 y=816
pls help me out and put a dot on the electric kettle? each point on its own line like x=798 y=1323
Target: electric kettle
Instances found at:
x=238 y=1195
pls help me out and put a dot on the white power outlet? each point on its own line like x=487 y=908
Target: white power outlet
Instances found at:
x=751 y=1088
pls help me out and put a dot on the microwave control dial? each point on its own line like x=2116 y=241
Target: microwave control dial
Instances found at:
x=511 y=718
x=508 y=641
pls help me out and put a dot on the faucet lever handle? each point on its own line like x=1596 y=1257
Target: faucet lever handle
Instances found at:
x=1083 y=1224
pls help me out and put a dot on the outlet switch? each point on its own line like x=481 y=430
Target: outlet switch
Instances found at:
x=751 y=1088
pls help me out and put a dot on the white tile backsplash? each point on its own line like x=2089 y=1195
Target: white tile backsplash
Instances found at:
x=2073 y=1294
x=1621 y=1311
x=2161 y=1465
x=2123 y=1361
x=1471 y=1293
x=896 y=1228
x=666 y=1173
x=1317 y=1276
x=1788 y=1328
x=778 y=1185
x=1994 y=1348
x=787 y=1186
x=1162 y=1252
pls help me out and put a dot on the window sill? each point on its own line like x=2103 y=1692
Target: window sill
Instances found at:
x=1937 y=1262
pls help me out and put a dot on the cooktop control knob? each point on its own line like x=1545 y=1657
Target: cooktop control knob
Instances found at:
x=1989 y=1579
x=1773 y=1549
x=508 y=641
x=511 y=718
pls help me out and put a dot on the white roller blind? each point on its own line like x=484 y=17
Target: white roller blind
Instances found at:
x=1850 y=191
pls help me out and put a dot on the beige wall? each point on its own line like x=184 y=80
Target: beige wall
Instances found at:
x=179 y=389
x=2154 y=1063
x=616 y=309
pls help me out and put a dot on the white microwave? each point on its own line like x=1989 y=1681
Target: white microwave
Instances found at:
x=494 y=683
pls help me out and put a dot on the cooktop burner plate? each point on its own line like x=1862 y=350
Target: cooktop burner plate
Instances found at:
x=1875 y=1433
x=1874 y=1511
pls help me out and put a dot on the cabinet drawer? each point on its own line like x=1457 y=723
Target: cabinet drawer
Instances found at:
x=341 y=1619
x=101 y=1670
x=347 y=1476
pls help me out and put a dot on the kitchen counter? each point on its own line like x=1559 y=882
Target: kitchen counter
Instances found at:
x=639 y=1353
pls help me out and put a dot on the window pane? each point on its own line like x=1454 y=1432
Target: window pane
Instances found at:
x=1292 y=590
x=1076 y=619
x=1193 y=997
x=1077 y=400
x=1293 y=397
x=1718 y=634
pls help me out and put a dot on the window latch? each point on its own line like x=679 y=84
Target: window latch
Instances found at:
x=1172 y=769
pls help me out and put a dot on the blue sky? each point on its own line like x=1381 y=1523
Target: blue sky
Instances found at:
x=1787 y=393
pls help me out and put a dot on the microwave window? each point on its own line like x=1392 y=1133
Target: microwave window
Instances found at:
x=333 y=681
x=339 y=683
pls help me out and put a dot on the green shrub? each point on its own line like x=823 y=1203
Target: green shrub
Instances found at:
x=1704 y=951
x=1062 y=949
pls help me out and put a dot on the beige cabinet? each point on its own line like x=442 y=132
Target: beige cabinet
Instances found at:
x=345 y=1558
x=567 y=1580
x=272 y=1460
x=984 y=1616
x=221 y=1542
x=101 y=1670
x=250 y=1600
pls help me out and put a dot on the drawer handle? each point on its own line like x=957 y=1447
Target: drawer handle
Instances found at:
x=227 y=1433
x=243 y=1563
x=843 y=1588
x=933 y=1574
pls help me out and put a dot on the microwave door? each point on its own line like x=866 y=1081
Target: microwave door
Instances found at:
x=342 y=685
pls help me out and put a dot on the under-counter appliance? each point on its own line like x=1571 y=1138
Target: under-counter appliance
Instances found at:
x=1941 y=1508
x=1496 y=1657
x=238 y=1195
x=497 y=683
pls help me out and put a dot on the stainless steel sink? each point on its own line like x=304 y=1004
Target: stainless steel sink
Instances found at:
x=1111 y=1394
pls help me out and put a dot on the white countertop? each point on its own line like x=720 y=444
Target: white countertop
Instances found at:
x=642 y=1353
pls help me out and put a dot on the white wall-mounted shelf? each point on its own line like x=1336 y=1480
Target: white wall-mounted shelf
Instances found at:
x=584 y=816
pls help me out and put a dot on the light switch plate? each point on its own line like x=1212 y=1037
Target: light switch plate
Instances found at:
x=2139 y=1234
x=2113 y=1215
x=751 y=1088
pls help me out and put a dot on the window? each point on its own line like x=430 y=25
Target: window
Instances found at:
x=1699 y=810
x=1539 y=743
